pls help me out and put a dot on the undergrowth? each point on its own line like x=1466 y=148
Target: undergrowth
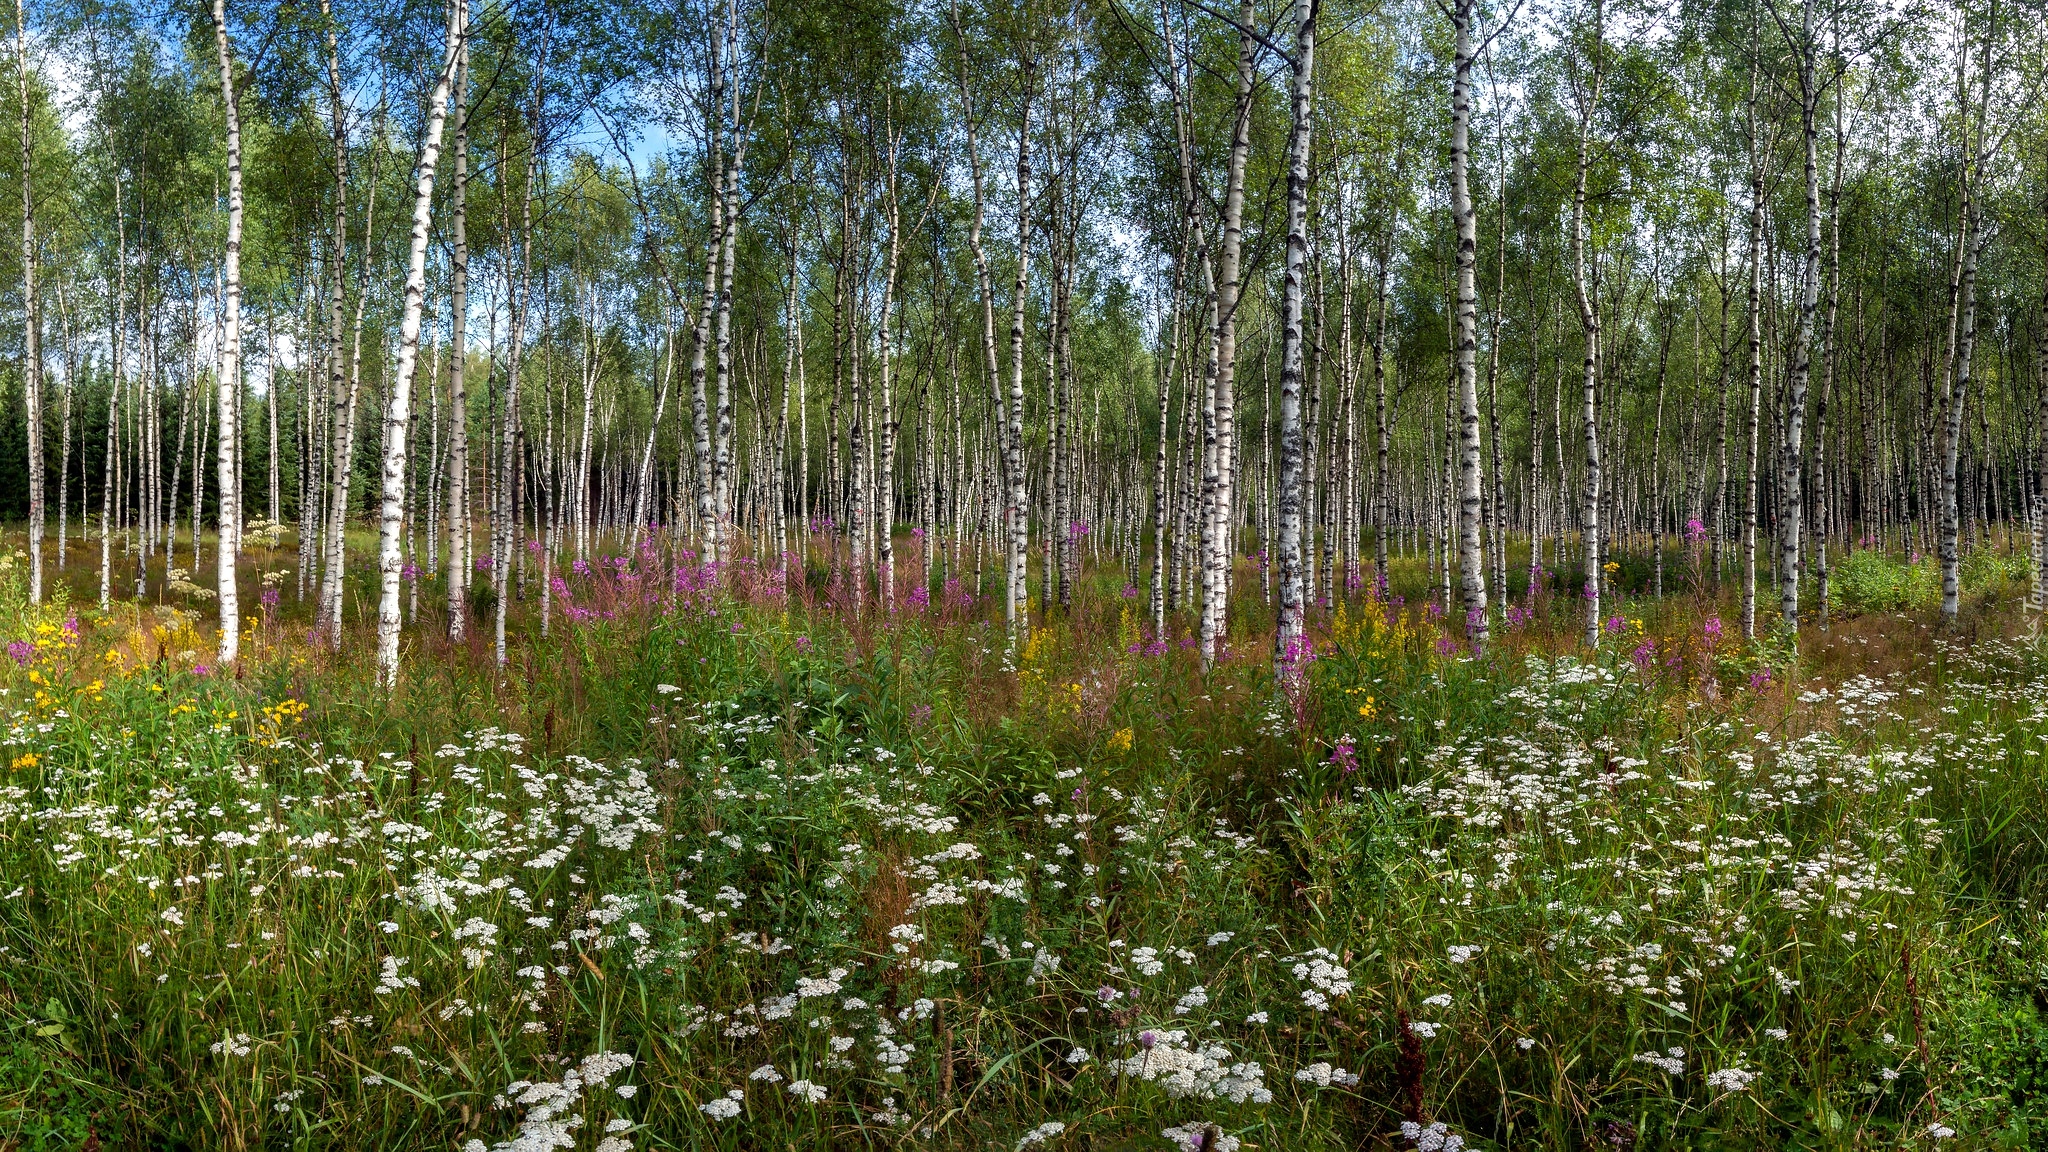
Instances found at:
x=723 y=865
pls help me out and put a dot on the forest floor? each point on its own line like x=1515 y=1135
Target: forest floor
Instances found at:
x=716 y=866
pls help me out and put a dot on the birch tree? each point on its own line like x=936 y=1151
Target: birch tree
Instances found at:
x=31 y=347
x=1465 y=340
x=1287 y=636
x=398 y=405
x=228 y=380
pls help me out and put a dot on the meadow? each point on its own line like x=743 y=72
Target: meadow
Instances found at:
x=720 y=863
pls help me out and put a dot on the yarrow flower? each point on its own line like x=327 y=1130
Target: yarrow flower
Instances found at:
x=724 y=1107
x=1436 y=1137
x=1730 y=1079
x=1040 y=1134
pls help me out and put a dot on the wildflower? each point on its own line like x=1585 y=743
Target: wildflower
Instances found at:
x=1463 y=953
x=1730 y=1079
x=1672 y=1062
x=1436 y=1138
x=1322 y=1075
x=724 y=1107
x=766 y=1072
x=1200 y=1137
x=1040 y=1134
x=1183 y=1069
x=1345 y=755
x=806 y=1091
x=1939 y=1131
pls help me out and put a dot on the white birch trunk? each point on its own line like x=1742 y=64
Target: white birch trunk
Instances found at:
x=1287 y=636
x=228 y=382
x=31 y=345
x=1471 y=562
x=398 y=404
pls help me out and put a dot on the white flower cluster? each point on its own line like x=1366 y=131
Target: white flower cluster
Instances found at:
x=1193 y=1070
x=1040 y=1134
x=723 y=1107
x=1322 y=1075
x=552 y=1116
x=1326 y=979
x=1733 y=1078
x=1435 y=1137
x=1672 y=1061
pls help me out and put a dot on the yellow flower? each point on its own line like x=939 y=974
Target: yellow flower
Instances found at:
x=1611 y=566
x=1120 y=740
x=26 y=760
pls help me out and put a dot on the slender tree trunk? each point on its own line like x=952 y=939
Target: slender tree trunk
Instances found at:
x=458 y=353
x=1791 y=451
x=64 y=459
x=110 y=465
x=1017 y=594
x=1219 y=406
x=510 y=468
x=1589 y=322
x=271 y=476
x=398 y=405
x=228 y=383
x=1287 y=636
x=337 y=461
x=31 y=344
x=1471 y=563
x=1963 y=339
x=885 y=419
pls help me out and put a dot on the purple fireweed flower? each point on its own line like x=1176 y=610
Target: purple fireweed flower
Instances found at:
x=1345 y=755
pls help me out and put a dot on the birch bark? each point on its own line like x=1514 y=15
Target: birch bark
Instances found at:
x=398 y=405
x=228 y=381
x=1287 y=636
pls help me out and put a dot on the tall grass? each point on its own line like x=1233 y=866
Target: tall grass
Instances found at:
x=720 y=864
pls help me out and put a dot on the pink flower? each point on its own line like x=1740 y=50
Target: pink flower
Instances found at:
x=1345 y=755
